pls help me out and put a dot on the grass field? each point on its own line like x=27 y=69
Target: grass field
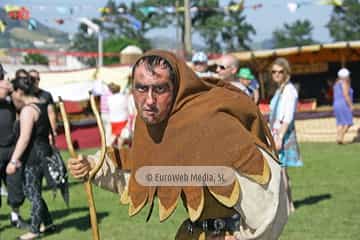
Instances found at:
x=325 y=190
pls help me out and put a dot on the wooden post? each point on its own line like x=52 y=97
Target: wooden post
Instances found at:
x=187 y=20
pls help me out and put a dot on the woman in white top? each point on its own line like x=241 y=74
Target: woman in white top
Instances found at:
x=282 y=120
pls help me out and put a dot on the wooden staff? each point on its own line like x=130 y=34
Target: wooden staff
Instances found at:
x=92 y=173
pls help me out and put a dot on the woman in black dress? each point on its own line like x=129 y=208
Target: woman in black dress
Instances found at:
x=31 y=147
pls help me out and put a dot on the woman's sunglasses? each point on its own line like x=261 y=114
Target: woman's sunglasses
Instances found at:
x=279 y=72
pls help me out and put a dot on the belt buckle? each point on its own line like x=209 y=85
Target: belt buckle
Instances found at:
x=219 y=225
x=205 y=225
x=190 y=227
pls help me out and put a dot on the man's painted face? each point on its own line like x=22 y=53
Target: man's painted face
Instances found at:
x=153 y=94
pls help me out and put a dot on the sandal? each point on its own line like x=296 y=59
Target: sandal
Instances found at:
x=29 y=236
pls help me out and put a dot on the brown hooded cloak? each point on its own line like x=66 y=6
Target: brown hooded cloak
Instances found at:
x=211 y=124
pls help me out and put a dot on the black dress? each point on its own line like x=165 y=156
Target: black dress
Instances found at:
x=35 y=153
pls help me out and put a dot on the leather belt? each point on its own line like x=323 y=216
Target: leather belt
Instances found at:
x=216 y=225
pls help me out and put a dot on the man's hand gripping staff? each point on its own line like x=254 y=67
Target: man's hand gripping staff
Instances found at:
x=85 y=172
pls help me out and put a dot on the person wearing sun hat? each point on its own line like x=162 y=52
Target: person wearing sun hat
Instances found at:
x=255 y=87
x=245 y=77
x=200 y=63
x=343 y=104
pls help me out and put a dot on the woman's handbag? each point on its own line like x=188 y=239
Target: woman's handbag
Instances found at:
x=58 y=173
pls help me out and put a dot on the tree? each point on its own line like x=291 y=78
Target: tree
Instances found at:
x=212 y=25
x=295 y=34
x=209 y=24
x=236 y=32
x=36 y=59
x=82 y=41
x=218 y=29
x=115 y=45
x=131 y=21
x=344 y=24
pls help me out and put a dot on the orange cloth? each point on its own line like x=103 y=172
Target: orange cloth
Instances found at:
x=117 y=127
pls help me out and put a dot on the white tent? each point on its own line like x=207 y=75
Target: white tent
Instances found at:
x=75 y=85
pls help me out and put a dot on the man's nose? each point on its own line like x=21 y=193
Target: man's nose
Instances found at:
x=150 y=98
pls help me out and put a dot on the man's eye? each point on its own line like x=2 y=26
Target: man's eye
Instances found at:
x=161 y=89
x=141 y=88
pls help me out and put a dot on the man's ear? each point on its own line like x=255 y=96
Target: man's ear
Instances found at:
x=233 y=70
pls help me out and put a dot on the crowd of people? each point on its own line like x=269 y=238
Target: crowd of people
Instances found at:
x=161 y=91
x=26 y=138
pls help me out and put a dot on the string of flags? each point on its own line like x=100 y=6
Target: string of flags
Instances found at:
x=70 y=14
x=294 y=6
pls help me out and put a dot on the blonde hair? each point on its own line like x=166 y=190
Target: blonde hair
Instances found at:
x=284 y=63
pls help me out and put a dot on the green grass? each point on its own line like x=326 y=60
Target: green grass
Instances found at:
x=325 y=191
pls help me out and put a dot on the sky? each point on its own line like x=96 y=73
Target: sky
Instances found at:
x=273 y=14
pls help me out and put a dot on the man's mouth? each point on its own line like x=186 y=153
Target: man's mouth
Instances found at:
x=150 y=110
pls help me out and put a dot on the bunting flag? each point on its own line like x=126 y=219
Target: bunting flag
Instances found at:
x=104 y=10
x=62 y=53
x=59 y=21
x=132 y=20
x=292 y=6
x=11 y=8
x=16 y=12
x=335 y=3
x=63 y=10
x=236 y=7
x=148 y=11
x=32 y=24
x=121 y=10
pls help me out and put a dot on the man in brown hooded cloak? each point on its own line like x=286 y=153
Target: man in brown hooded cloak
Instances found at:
x=187 y=122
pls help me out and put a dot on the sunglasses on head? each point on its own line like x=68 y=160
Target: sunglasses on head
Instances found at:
x=279 y=72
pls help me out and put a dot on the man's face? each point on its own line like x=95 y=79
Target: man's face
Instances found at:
x=16 y=97
x=225 y=68
x=153 y=94
x=36 y=78
x=5 y=88
x=245 y=82
x=200 y=66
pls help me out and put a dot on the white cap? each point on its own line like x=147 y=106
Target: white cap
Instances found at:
x=343 y=73
x=199 y=57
